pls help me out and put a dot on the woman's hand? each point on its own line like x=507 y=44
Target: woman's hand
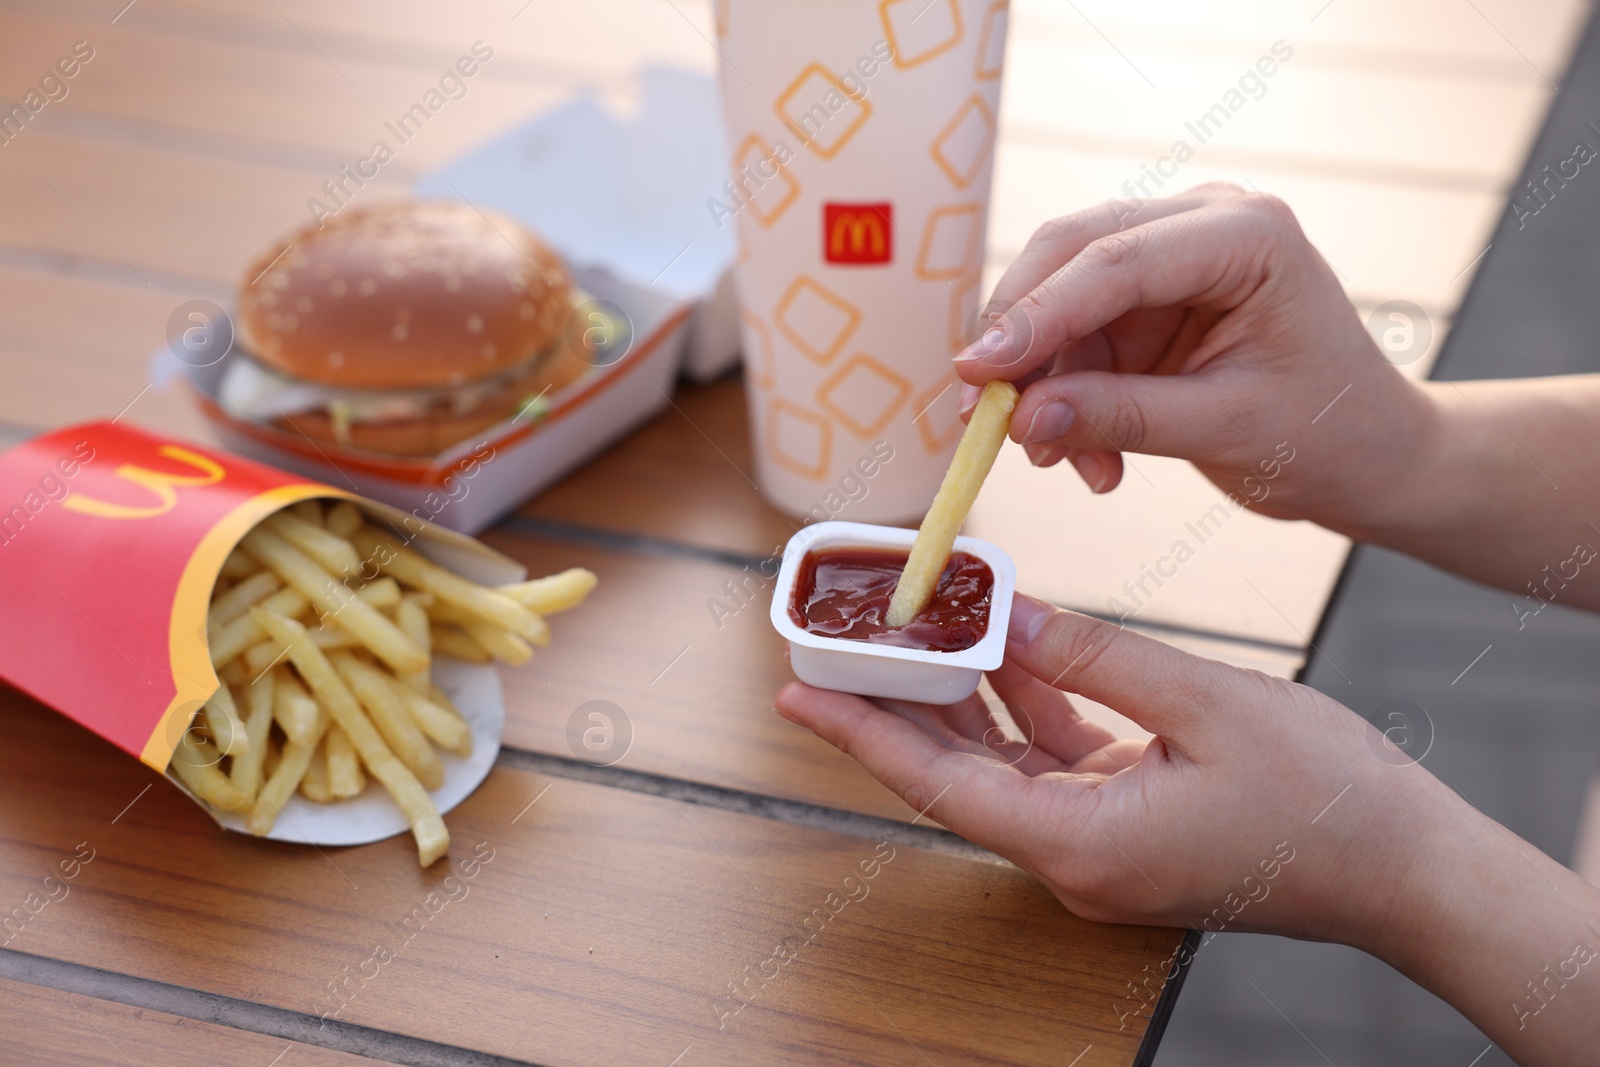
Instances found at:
x=1205 y=327
x=1223 y=821
x=1259 y=805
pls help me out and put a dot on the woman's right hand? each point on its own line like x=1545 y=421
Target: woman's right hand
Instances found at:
x=1206 y=327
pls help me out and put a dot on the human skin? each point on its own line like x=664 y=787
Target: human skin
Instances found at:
x=1385 y=857
x=1206 y=327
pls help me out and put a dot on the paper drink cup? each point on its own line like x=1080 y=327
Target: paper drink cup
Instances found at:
x=111 y=540
x=862 y=139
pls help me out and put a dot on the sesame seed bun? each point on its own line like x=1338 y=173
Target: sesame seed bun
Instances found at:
x=403 y=295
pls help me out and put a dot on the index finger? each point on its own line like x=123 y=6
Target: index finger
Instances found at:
x=1054 y=244
x=1213 y=257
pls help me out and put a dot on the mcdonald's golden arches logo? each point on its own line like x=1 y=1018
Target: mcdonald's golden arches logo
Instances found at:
x=858 y=233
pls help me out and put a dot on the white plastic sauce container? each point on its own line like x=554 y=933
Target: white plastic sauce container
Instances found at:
x=885 y=670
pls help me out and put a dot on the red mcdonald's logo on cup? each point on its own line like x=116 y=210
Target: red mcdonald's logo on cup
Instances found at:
x=858 y=233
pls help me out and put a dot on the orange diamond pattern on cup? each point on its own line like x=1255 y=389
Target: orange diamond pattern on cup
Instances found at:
x=918 y=30
x=799 y=441
x=950 y=242
x=863 y=395
x=962 y=147
x=814 y=319
x=936 y=415
x=758 y=364
x=963 y=312
x=992 y=42
x=805 y=109
x=772 y=198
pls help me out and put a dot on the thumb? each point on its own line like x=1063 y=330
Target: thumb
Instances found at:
x=1162 y=415
x=1188 y=700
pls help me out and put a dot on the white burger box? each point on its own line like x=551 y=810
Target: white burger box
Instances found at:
x=655 y=213
x=474 y=483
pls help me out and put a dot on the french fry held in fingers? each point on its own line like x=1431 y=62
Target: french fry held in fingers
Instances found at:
x=328 y=678
x=975 y=455
x=433 y=840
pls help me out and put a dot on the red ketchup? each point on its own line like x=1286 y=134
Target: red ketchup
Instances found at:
x=844 y=593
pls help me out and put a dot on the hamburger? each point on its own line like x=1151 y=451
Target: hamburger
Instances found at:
x=402 y=328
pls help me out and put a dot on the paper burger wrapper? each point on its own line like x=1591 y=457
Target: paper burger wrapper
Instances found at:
x=111 y=540
x=863 y=142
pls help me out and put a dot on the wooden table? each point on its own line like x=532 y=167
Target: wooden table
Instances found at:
x=631 y=914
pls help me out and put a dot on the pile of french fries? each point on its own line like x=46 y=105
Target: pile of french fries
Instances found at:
x=322 y=628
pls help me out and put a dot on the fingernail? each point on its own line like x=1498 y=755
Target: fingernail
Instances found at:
x=1090 y=469
x=1038 y=453
x=992 y=341
x=1051 y=421
x=1028 y=617
x=969 y=398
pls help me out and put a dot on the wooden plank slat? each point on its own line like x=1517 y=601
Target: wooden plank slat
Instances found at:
x=686 y=476
x=598 y=925
x=1408 y=35
x=561 y=43
x=185 y=216
x=43 y=1025
x=1080 y=549
x=76 y=349
x=1421 y=30
x=697 y=686
x=1067 y=81
x=1381 y=119
x=287 y=104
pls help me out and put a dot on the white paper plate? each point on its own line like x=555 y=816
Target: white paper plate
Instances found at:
x=373 y=815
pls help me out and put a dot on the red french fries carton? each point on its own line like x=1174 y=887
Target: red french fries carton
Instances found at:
x=111 y=540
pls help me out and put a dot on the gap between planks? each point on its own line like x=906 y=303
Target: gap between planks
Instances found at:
x=245 y=1015
x=757 y=805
